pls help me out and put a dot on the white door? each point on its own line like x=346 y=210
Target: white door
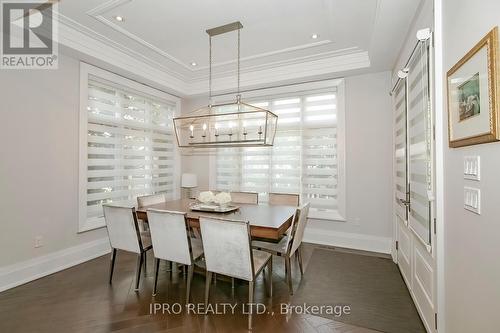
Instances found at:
x=401 y=191
x=414 y=183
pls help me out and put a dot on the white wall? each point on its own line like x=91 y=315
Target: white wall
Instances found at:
x=368 y=136
x=368 y=167
x=39 y=162
x=472 y=242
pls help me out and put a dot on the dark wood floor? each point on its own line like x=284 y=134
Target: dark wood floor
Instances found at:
x=80 y=299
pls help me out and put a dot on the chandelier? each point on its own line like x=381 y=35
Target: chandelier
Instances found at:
x=235 y=124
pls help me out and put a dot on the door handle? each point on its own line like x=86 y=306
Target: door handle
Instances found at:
x=404 y=202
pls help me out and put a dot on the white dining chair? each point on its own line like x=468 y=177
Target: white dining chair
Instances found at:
x=147 y=200
x=289 y=244
x=171 y=242
x=245 y=197
x=284 y=199
x=124 y=234
x=227 y=248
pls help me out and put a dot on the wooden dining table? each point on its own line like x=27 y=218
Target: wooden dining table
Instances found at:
x=266 y=221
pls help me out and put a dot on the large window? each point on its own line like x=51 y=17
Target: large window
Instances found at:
x=307 y=156
x=127 y=144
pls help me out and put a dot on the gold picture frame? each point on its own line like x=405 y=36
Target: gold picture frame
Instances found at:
x=473 y=88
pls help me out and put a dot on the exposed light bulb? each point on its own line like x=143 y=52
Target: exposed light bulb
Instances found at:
x=119 y=18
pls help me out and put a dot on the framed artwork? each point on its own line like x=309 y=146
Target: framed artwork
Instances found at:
x=473 y=95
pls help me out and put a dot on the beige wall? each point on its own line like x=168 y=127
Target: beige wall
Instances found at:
x=39 y=162
x=472 y=242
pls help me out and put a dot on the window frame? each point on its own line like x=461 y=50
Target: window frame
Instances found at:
x=87 y=71
x=284 y=91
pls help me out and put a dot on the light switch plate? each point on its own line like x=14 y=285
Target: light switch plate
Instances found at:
x=472 y=199
x=472 y=168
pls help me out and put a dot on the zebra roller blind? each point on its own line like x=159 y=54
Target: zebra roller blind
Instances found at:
x=400 y=151
x=304 y=157
x=130 y=148
x=420 y=143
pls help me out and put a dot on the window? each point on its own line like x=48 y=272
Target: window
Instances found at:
x=307 y=156
x=127 y=148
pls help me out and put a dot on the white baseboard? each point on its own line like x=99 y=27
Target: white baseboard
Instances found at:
x=348 y=240
x=26 y=271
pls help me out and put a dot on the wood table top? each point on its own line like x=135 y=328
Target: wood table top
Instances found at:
x=266 y=221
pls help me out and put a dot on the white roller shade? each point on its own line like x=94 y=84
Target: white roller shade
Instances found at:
x=303 y=159
x=130 y=146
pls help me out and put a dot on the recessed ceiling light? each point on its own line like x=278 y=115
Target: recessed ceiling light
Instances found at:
x=119 y=18
x=314 y=36
x=194 y=64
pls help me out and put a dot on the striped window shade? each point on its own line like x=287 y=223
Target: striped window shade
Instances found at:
x=400 y=151
x=130 y=148
x=420 y=142
x=303 y=159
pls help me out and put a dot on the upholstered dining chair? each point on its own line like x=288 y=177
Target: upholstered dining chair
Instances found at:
x=147 y=200
x=171 y=242
x=227 y=248
x=289 y=244
x=124 y=234
x=284 y=199
x=245 y=197
x=152 y=199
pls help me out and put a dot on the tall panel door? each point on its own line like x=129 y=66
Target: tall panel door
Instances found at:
x=413 y=183
x=401 y=190
x=420 y=146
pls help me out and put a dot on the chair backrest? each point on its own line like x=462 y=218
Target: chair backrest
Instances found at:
x=169 y=236
x=226 y=245
x=245 y=197
x=284 y=199
x=152 y=199
x=298 y=228
x=123 y=230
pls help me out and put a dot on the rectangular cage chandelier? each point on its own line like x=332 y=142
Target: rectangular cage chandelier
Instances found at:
x=236 y=124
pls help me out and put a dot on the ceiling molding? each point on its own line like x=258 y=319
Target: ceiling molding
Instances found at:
x=342 y=63
x=99 y=12
x=274 y=64
x=67 y=22
x=86 y=41
x=109 y=53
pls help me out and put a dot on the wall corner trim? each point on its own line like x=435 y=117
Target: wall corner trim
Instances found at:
x=20 y=273
x=348 y=240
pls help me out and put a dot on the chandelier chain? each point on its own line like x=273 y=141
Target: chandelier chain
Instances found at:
x=210 y=70
x=239 y=52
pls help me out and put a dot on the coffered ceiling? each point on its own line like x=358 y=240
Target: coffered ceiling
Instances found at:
x=170 y=34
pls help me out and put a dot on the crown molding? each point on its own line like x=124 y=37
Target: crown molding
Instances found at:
x=69 y=24
x=99 y=12
x=104 y=49
x=86 y=41
x=293 y=71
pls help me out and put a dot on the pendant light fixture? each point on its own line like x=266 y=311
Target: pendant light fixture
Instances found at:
x=235 y=124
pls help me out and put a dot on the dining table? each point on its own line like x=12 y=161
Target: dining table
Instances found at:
x=266 y=221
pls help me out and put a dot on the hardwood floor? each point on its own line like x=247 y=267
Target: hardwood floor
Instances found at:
x=80 y=299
